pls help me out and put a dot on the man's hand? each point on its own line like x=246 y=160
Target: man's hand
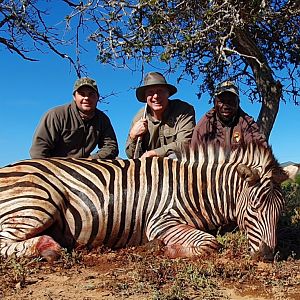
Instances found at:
x=150 y=153
x=138 y=129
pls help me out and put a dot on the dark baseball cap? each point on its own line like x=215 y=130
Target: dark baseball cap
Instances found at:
x=227 y=86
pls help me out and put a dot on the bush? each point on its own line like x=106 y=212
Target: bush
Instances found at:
x=289 y=223
x=291 y=212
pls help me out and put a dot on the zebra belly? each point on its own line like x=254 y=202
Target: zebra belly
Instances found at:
x=113 y=231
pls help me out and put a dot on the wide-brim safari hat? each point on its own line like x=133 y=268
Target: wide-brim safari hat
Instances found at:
x=85 y=81
x=152 y=79
x=227 y=86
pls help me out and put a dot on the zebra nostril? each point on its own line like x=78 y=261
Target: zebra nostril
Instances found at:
x=269 y=256
x=266 y=252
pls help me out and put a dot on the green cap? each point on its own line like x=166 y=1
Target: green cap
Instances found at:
x=227 y=86
x=85 y=81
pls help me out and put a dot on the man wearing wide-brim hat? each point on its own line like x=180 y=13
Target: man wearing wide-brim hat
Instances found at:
x=163 y=125
x=226 y=122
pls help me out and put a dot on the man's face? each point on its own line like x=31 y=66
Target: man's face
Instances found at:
x=157 y=98
x=226 y=106
x=86 y=99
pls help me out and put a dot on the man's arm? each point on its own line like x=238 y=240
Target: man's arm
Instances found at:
x=108 y=145
x=131 y=143
x=44 y=138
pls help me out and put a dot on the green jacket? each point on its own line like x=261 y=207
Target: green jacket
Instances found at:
x=166 y=136
x=62 y=133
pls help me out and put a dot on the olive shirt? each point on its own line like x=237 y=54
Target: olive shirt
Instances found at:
x=241 y=131
x=166 y=136
x=63 y=133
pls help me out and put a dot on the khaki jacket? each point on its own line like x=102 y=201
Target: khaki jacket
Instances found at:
x=166 y=136
x=63 y=133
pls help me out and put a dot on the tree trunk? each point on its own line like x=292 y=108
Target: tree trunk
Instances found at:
x=270 y=90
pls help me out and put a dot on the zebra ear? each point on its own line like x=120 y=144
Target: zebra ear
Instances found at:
x=248 y=174
x=279 y=175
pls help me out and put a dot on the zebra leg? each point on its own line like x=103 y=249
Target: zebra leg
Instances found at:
x=186 y=241
x=22 y=234
x=43 y=246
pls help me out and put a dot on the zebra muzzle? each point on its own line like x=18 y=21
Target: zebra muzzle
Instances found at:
x=265 y=253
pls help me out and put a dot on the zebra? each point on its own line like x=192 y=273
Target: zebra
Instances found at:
x=50 y=204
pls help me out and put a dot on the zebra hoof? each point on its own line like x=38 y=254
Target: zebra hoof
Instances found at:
x=48 y=248
x=175 y=251
x=50 y=255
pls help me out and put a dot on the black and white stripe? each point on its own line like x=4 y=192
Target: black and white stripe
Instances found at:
x=119 y=203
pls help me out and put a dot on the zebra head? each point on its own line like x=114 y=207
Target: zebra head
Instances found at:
x=261 y=202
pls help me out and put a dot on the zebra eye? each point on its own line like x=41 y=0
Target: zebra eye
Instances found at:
x=254 y=209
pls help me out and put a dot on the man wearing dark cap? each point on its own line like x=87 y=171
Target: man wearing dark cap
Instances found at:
x=77 y=128
x=226 y=122
x=163 y=125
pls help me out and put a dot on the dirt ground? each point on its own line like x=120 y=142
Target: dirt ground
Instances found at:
x=137 y=273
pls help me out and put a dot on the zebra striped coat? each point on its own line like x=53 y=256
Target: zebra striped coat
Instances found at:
x=46 y=204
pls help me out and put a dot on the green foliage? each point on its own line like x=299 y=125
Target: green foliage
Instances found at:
x=289 y=223
x=297 y=179
x=291 y=214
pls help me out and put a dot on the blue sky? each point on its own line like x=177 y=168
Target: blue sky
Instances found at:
x=29 y=89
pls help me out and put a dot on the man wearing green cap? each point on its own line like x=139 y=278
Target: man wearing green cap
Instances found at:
x=163 y=125
x=77 y=128
x=226 y=122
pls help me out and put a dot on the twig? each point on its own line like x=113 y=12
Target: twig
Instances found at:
x=136 y=151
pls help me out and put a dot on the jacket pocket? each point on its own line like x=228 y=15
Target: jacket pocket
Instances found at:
x=170 y=134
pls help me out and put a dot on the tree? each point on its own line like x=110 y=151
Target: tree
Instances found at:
x=254 y=42
x=23 y=30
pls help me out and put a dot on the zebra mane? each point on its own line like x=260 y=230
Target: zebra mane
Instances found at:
x=253 y=154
